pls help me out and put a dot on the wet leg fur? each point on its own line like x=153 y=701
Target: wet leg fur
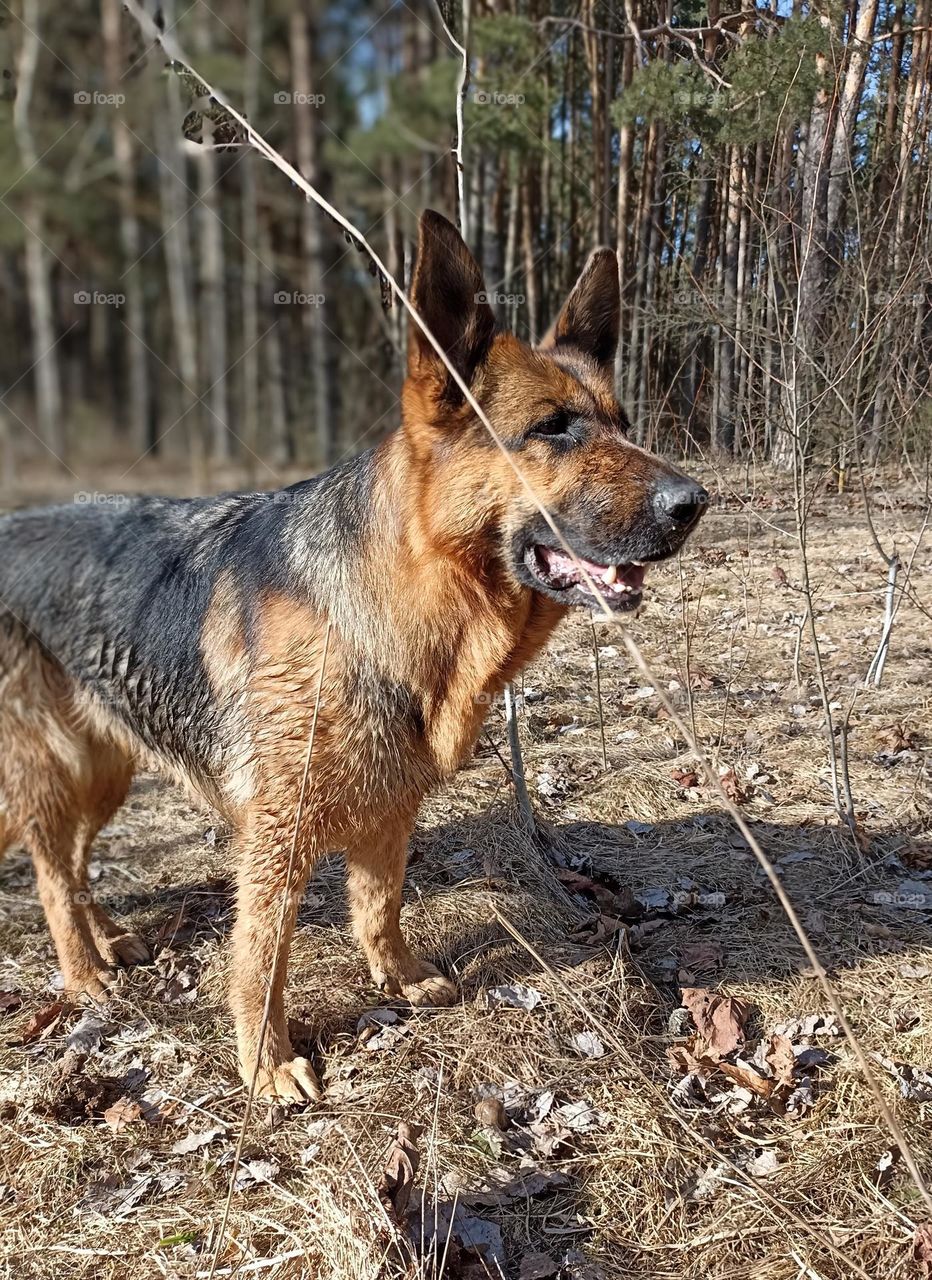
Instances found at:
x=265 y=901
x=51 y=845
x=376 y=869
x=59 y=784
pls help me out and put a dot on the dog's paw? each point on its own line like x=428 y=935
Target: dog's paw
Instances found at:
x=434 y=990
x=92 y=983
x=291 y=1082
x=427 y=986
x=124 y=949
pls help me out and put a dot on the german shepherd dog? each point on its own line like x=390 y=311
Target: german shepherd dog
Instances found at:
x=189 y=635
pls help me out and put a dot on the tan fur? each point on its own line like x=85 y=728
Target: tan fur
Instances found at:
x=62 y=779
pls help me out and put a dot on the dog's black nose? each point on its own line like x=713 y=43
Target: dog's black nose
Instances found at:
x=679 y=502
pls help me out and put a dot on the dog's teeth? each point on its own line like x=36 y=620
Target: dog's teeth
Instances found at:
x=610 y=574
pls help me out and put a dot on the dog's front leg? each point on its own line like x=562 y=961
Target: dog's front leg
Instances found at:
x=266 y=908
x=376 y=869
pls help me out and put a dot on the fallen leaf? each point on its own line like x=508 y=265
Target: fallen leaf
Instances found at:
x=397 y=1180
x=904 y=1018
x=731 y=785
x=471 y=1246
x=701 y=957
x=123 y=1112
x=597 y=930
x=89 y=1034
x=378 y=1017
x=781 y=1059
x=194 y=1141
x=256 y=1172
x=813 y=1024
x=766 y=1163
x=613 y=901
x=719 y=1019
x=580 y=1117
x=589 y=1045
x=10 y=1001
x=915 y=1082
x=537 y=1266
x=515 y=995
x=922 y=1247
x=44 y=1022
x=744 y=1074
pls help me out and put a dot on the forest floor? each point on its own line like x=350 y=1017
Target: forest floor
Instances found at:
x=632 y=1145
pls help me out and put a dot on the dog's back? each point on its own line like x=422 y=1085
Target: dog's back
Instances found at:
x=111 y=595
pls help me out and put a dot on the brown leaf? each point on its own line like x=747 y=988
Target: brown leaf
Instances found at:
x=610 y=900
x=692 y=1057
x=10 y=1001
x=491 y=1114
x=397 y=1180
x=45 y=1021
x=123 y=1112
x=744 y=1075
x=719 y=1019
x=781 y=1060
x=598 y=929
x=922 y=1247
x=685 y=778
x=897 y=737
x=731 y=785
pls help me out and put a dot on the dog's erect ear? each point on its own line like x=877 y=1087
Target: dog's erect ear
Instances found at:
x=449 y=293
x=589 y=318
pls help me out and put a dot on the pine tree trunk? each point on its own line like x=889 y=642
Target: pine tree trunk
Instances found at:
x=46 y=372
x=177 y=250
x=306 y=147
x=252 y=260
x=135 y=328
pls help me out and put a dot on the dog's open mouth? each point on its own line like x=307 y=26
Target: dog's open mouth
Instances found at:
x=620 y=586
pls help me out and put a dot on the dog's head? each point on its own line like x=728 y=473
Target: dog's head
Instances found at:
x=554 y=409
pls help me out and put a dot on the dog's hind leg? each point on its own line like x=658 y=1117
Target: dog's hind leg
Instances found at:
x=51 y=770
x=113 y=773
x=50 y=839
x=376 y=868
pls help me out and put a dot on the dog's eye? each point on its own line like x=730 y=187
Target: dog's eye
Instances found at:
x=558 y=424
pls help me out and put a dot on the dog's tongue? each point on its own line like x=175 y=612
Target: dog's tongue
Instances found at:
x=560 y=565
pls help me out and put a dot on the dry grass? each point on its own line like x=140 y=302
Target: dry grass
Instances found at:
x=630 y=1204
